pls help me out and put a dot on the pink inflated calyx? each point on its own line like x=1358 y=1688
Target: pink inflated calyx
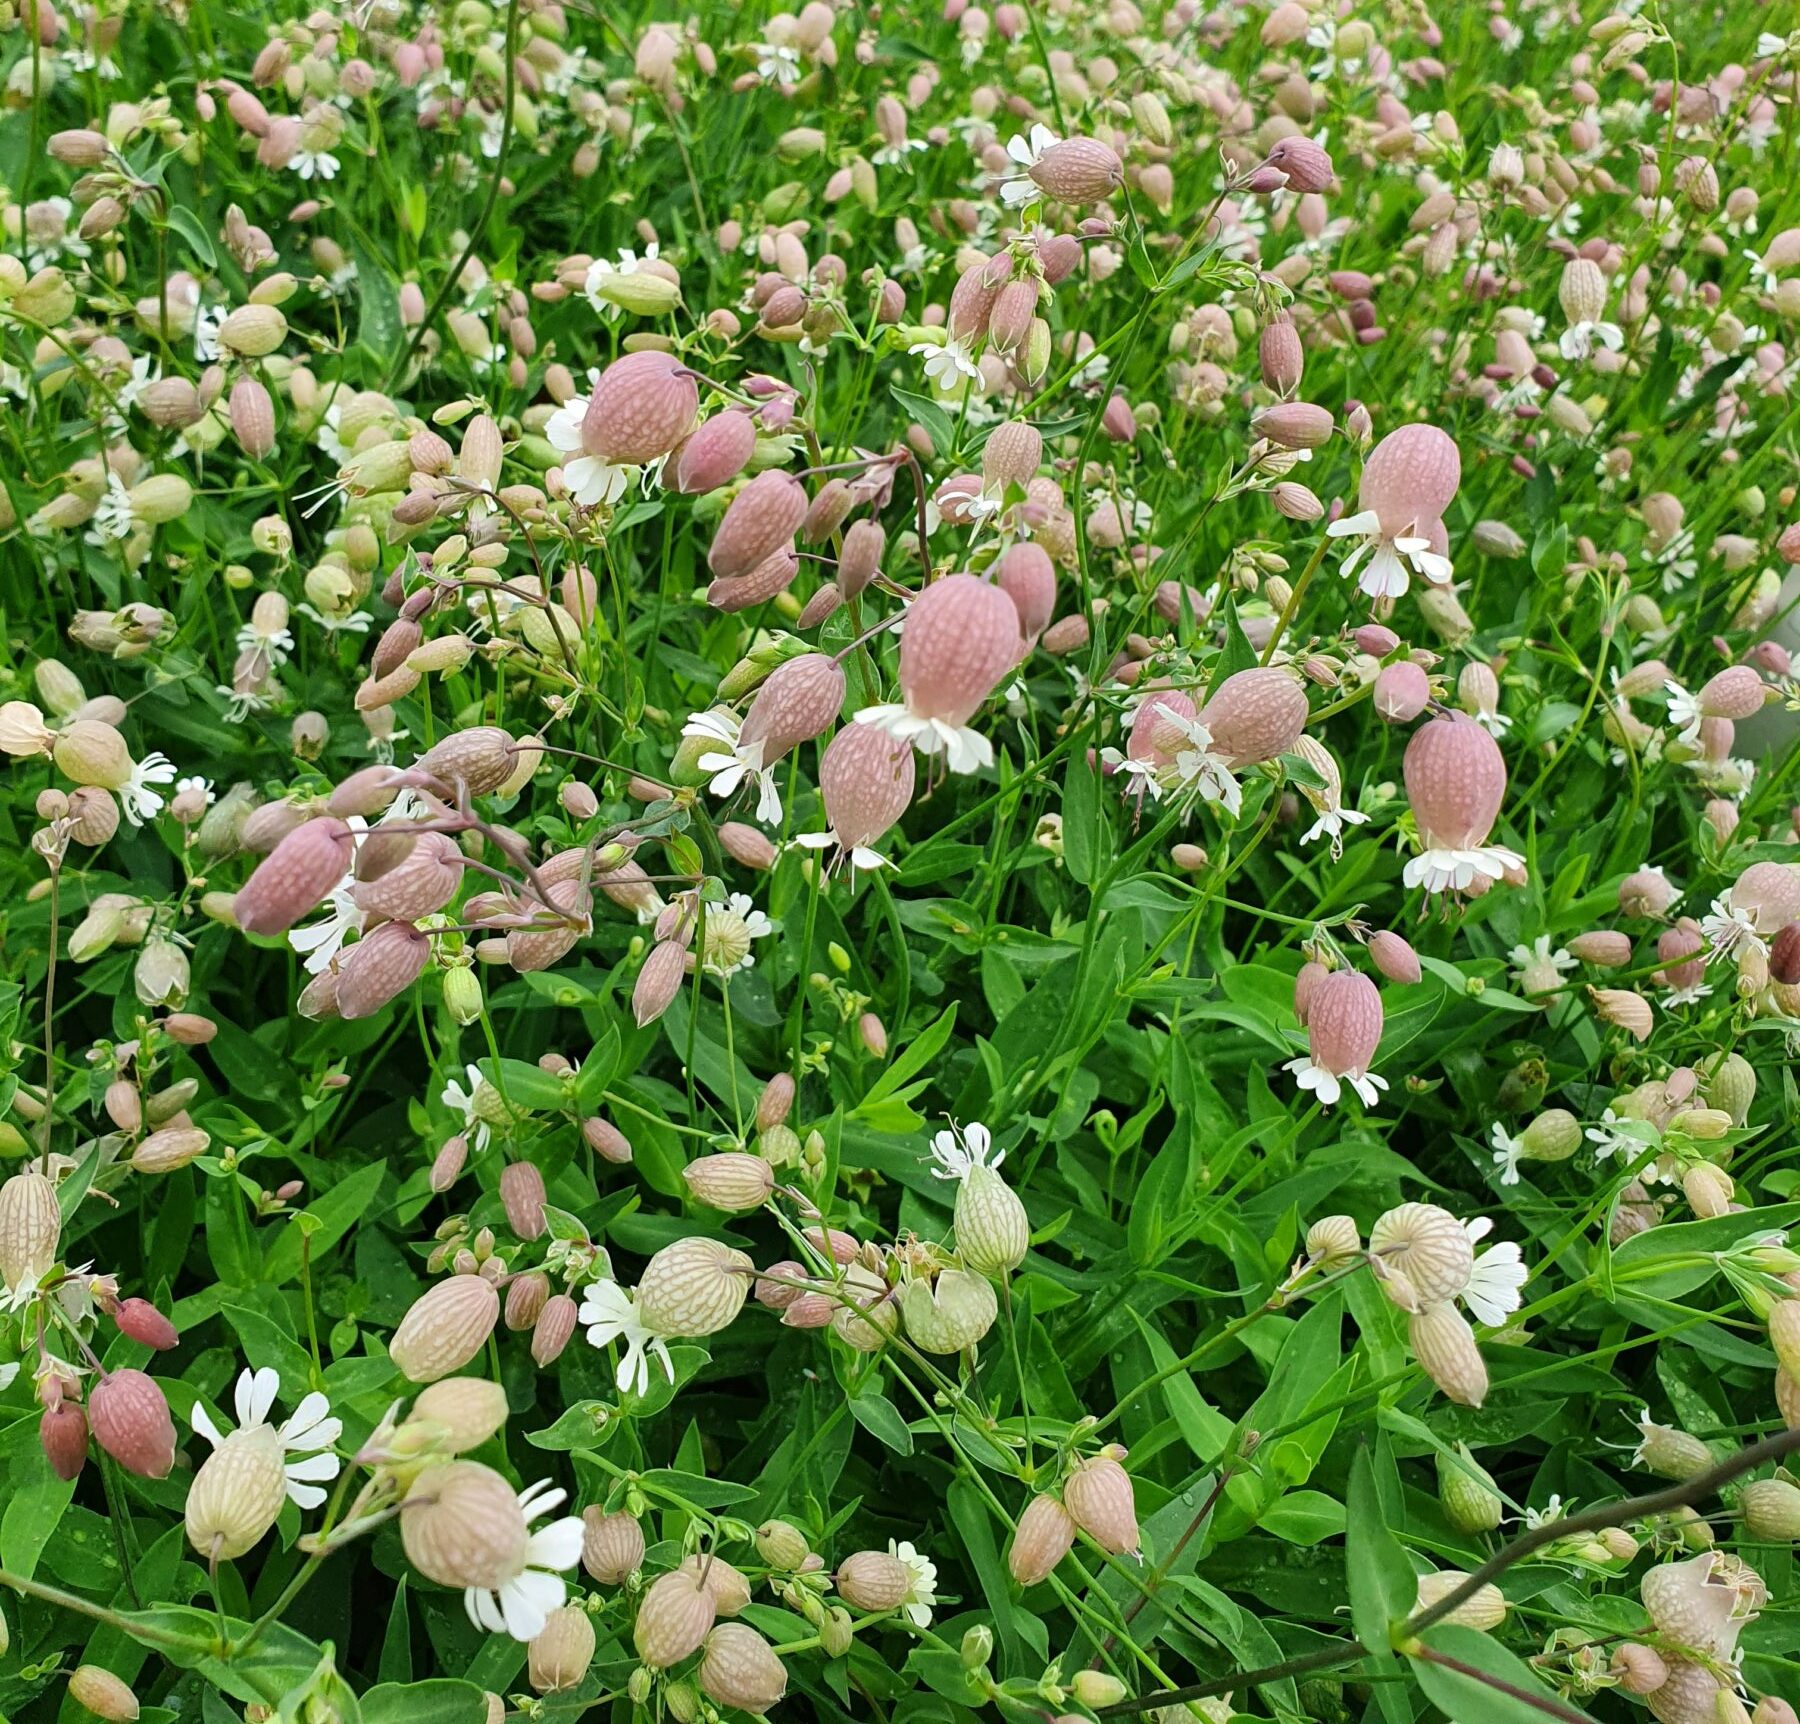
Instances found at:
x=1456 y=782
x=641 y=407
x=1025 y=573
x=763 y=519
x=1255 y=715
x=866 y=777
x=960 y=638
x=1408 y=481
x=1344 y=1021
x=714 y=455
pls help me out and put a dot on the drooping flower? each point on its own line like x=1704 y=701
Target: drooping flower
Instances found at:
x=462 y=1101
x=1495 y=1282
x=960 y=1149
x=1409 y=480
x=307 y=1435
x=609 y=1313
x=522 y=1605
x=1025 y=152
x=1455 y=781
x=921 y=1591
x=137 y=796
x=1344 y=1020
x=730 y=765
x=589 y=480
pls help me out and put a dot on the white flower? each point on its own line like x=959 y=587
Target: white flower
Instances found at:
x=589 y=481
x=1684 y=711
x=964 y=750
x=275 y=646
x=208 y=320
x=729 y=931
x=200 y=786
x=1493 y=1292
x=1025 y=153
x=322 y=941
x=1328 y=1086
x=1443 y=870
x=140 y=801
x=460 y=1100
x=326 y=437
x=958 y=1150
x=1198 y=768
x=921 y=1592
x=610 y=1314
x=946 y=361
x=895 y=155
x=1507 y=1150
x=1616 y=1135
x=310 y=1431
x=351 y=622
x=1690 y=996
x=1727 y=929
x=1579 y=339
x=1550 y=1512
x=777 y=65
x=112 y=514
x=314 y=164
x=1142 y=777
x=1538 y=957
x=736 y=762
x=1386 y=576
x=522 y=1606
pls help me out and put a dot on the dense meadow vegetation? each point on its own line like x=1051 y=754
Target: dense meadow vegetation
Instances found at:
x=899 y=865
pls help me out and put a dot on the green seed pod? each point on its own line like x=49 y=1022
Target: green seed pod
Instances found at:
x=1771 y=1509
x=1731 y=1087
x=993 y=1232
x=1523 y=1087
x=1554 y=1135
x=1467 y=1490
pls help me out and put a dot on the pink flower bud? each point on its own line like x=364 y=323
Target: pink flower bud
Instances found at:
x=252 y=417
x=421 y=883
x=642 y=406
x=1280 y=355
x=658 y=982
x=1025 y=573
x=1078 y=171
x=961 y=637
x=381 y=966
x=745 y=844
x=131 y=1422
x=770 y=578
x=1255 y=715
x=1305 y=163
x=1410 y=478
x=859 y=558
x=714 y=455
x=554 y=1327
x=605 y=1138
x=294 y=876
x=1455 y=781
x=142 y=1322
x=800 y=700
x=63 y=1435
x=447 y=1164
x=522 y=1196
x=866 y=778
x=763 y=519
x=1118 y=421
x=1293 y=425
x=1679 y=950
x=1394 y=957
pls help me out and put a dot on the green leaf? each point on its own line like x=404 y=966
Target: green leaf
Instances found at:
x=881 y=1419
x=526 y=1086
x=332 y=1216
x=1383 y=1588
x=438 y=1700
x=1471 y=1695
x=920 y=1052
x=1081 y=819
x=199 y=241
x=929 y=414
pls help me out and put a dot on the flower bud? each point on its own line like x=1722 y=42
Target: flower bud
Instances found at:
x=612 y=1545
x=103 y=1694
x=561 y=1651
x=1045 y=1536
x=674 y=1618
x=1099 y=1499
x=131 y=1422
